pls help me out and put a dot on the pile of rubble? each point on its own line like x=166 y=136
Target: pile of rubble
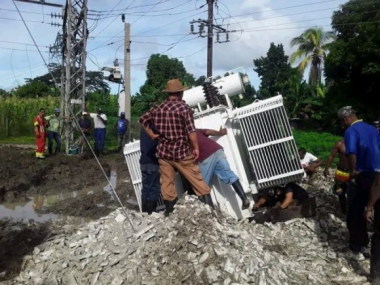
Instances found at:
x=196 y=245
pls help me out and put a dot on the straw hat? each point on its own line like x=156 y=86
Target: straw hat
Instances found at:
x=174 y=86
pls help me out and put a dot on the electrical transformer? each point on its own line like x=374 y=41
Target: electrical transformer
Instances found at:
x=259 y=144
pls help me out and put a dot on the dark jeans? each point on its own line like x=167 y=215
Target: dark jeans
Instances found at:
x=375 y=246
x=100 y=136
x=151 y=188
x=357 y=197
x=56 y=137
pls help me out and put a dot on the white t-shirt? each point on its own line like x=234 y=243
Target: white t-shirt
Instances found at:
x=308 y=159
x=98 y=124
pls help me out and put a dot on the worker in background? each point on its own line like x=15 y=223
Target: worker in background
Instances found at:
x=342 y=175
x=281 y=197
x=372 y=214
x=121 y=126
x=100 y=123
x=309 y=162
x=177 y=144
x=212 y=160
x=85 y=126
x=53 y=131
x=150 y=172
x=39 y=133
x=363 y=156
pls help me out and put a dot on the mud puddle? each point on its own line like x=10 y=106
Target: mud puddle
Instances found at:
x=41 y=208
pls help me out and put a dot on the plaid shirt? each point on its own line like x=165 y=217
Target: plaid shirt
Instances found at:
x=174 y=122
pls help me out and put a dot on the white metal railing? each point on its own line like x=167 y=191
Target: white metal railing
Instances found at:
x=132 y=157
x=269 y=139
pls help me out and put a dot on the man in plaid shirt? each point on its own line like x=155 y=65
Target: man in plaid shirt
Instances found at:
x=177 y=144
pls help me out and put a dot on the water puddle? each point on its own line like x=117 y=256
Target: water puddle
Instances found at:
x=32 y=209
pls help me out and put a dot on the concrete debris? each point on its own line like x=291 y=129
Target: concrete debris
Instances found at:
x=193 y=246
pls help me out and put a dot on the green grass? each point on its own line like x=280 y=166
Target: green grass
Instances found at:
x=18 y=140
x=319 y=144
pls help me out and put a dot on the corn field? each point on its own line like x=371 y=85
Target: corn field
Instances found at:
x=17 y=115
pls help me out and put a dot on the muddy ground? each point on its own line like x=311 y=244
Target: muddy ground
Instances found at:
x=80 y=183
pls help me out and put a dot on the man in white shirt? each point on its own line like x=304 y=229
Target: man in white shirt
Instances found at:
x=100 y=122
x=309 y=162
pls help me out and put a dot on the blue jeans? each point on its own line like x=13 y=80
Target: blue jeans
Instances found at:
x=100 y=136
x=151 y=187
x=217 y=164
x=53 y=136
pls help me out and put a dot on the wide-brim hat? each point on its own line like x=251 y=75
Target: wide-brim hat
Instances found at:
x=174 y=86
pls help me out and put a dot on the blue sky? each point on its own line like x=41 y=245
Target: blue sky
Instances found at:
x=159 y=26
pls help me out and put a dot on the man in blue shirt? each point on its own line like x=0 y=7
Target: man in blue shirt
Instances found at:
x=363 y=156
x=150 y=170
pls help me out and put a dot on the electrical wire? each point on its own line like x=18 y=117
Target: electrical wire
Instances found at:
x=11 y=59
x=146 y=12
x=25 y=12
x=147 y=31
x=26 y=26
x=27 y=56
x=21 y=49
x=25 y=44
x=133 y=7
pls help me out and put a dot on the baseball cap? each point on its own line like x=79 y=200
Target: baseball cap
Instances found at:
x=99 y=109
x=56 y=110
x=346 y=111
x=84 y=113
x=122 y=114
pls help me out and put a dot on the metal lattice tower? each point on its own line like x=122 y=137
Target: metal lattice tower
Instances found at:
x=74 y=40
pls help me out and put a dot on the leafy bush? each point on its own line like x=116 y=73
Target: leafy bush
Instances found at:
x=319 y=144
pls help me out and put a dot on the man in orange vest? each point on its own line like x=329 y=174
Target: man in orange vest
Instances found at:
x=39 y=132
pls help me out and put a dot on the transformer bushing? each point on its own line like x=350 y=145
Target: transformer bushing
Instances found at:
x=211 y=94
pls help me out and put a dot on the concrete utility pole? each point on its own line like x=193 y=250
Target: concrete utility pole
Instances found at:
x=210 y=22
x=127 y=71
x=210 y=33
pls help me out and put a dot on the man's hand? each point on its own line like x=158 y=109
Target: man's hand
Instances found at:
x=368 y=215
x=222 y=131
x=255 y=207
x=155 y=136
x=326 y=173
x=196 y=154
x=353 y=174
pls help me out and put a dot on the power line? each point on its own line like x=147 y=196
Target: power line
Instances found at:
x=133 y=7
x=27 y=56
x=25 y=12
x=21 y=49
x=284 y=8
x=25 y=44
x=146 y=12
x=114 y=36
x=18 y=83
x=26 y=26
x=116 y=16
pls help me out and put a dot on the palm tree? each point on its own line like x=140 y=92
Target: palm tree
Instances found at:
x=313 y=45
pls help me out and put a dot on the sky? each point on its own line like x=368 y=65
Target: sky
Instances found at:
x=158 y=26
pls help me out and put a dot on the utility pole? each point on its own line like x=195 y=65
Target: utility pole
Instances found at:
x=211 y=27
x=127 y=73
x=210 y=21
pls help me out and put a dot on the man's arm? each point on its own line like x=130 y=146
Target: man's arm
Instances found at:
x=351 y=139
x=288 y=200
x=259 y=203
x=219 y=133
x=103 y=120
x=194 y=143
x=331 y=158
x=145 y=122
x=374 y=195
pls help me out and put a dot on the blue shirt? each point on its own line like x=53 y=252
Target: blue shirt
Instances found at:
x=148 y=148
x=362 y=140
